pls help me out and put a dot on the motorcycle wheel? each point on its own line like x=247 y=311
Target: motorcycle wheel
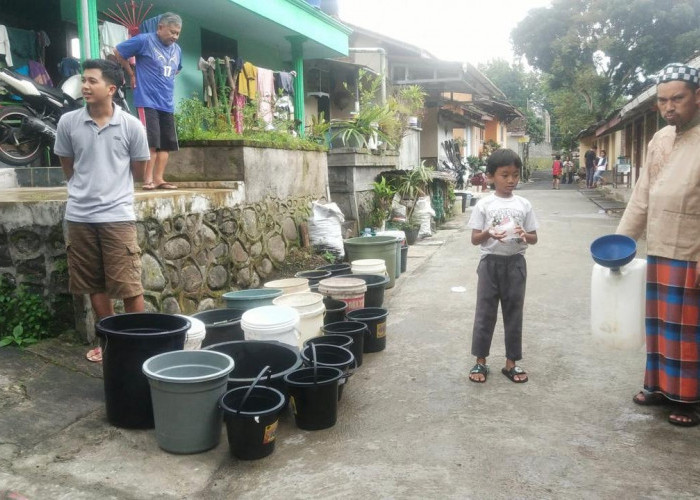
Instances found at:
x=16 y=149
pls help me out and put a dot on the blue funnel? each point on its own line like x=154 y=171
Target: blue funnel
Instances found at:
x=613 y=250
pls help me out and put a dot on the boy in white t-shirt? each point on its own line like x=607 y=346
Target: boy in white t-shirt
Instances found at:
x=504 y=225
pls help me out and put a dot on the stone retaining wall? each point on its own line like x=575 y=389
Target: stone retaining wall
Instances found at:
x=195 y=247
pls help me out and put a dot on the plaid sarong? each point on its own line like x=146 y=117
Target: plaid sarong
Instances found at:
x=672 y=329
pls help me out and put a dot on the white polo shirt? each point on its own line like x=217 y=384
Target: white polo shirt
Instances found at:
x=102 y=186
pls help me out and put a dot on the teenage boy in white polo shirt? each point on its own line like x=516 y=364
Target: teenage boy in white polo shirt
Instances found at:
x=101 y=149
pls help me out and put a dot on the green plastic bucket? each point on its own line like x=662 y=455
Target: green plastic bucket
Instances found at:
x=251 y=298
x=185 y=390
x=374 y=247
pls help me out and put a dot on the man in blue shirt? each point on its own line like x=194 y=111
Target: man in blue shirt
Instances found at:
x=158 y=60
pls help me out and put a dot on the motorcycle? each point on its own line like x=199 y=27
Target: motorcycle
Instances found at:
x=29 y=114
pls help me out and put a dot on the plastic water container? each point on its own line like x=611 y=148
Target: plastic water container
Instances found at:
x=196 y=333
x=280 y=323
x=310 y=307
x=289 y=285
x=400 y=239
x=349 y=290
x=617 y=305
x=369 y=266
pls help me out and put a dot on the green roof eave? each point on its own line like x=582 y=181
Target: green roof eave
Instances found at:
x=303 y=19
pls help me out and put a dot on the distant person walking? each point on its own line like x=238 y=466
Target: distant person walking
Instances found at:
x=504 y=224
x=102 y=149
x=158 y=60
x=666 y=203
x=556 y=172
x=591 y=159
x=601 y=167
x=568 y=167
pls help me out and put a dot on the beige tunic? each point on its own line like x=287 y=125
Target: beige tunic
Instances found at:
x=666 y=198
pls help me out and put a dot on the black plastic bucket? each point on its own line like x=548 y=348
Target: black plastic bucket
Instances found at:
x=222 y=325
x=314 y=276
x=251 y=414
x=335 y=310
x=376 y=284
x=127 y=341
x=251 y=356
x=332 y=339
x=404 y=258
x=330 y=355
x=337 y=269
x=354 y=329
x=375 y=319
x=314 y=396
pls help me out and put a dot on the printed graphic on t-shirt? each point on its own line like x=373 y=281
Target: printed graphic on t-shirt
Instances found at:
x=169 y=63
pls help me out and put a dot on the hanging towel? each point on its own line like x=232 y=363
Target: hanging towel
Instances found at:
x=111 y=34
x=287 y=82
x=23 y=46
x=5 y=45
x=38 y=73
x=69 y=66
x=150 y=25
x=247 y=85
x=266 y=94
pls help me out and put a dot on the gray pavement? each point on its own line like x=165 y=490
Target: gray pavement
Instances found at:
x=410 y=424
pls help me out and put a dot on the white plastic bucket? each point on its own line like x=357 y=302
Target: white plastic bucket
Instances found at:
x=289 y=285
x=368 y=266
x=349 y=290
x=280 y=323
x=310 y=307
x=196 y=333
x=618 y=305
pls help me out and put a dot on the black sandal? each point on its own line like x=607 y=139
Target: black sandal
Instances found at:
x=511 y=374
x=650 y=399
x=693 y=418
x=479 y=369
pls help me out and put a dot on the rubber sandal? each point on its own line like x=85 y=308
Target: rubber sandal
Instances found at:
x=94 y=355
x=650 y=399
x=693 y=418
x=148 y=186
x=479 y=368
x=166 y=185
x=516 y=370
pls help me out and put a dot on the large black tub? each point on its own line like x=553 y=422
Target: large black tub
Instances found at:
x=222 y=325
x=376 y=284
x=127 y=341
x=251 y=356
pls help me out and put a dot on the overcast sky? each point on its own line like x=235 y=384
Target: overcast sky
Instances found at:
x=455 y=30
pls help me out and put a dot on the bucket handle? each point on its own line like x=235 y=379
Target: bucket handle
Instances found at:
x=252 y=386
x=313 y=360
x=222 y=322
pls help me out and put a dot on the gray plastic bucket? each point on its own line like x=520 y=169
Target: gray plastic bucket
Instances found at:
x=185 y=389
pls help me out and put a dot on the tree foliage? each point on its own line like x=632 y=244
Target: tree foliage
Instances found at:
x=595 y=53
x=604 y=49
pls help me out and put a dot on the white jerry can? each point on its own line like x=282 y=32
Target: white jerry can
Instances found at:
x=618 y=305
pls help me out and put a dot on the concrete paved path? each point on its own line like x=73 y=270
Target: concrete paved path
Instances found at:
x=411 y=425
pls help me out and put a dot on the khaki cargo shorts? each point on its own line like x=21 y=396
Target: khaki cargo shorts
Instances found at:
x=104 y=258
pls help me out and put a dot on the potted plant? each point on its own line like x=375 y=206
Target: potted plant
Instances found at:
x=383 y=196
x=410 y=186
x=363 y=129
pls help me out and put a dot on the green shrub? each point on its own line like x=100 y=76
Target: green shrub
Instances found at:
x=24 y=317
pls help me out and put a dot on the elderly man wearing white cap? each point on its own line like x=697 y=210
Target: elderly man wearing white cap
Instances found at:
x=666 y=203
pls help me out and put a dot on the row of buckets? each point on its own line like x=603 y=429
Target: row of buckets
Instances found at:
x=294 y=343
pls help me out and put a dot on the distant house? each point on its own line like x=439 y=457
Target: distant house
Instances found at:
x=462 y=103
